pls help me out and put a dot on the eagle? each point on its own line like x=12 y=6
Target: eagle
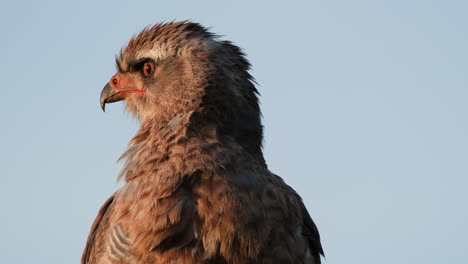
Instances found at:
x=197 y=188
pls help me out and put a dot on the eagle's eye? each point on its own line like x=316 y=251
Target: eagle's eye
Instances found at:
x=148 y=68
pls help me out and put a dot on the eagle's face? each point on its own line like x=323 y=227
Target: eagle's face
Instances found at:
x=161 y=71
x=181 y=71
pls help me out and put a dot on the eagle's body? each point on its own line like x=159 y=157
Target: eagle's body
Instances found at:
x=197 y=188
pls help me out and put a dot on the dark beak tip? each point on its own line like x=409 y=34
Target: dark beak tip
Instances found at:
x=109 y=95
x=103 y=106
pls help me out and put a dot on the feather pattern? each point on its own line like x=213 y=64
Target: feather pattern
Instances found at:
x=197 y=188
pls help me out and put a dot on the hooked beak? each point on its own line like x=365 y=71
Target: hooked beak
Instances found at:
x=118 y=88
x=110 y=95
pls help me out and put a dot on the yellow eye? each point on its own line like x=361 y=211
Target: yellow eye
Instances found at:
x=148 y=68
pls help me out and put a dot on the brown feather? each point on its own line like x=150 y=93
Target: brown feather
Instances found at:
x=197 y=187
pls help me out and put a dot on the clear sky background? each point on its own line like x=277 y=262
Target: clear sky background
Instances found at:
x=365 y=113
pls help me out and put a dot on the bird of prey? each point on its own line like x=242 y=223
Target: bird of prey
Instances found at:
x=197 y=188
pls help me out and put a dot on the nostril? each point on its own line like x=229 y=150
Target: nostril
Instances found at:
x=115 y=81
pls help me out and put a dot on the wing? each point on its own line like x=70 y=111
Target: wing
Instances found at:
x=130 y=228
x=307 y=229
x=94 y=230
x=311 y=232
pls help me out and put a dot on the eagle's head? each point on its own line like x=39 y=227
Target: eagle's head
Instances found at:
x=174 y=70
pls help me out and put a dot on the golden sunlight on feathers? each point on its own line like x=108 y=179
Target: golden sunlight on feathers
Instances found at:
x=197 y=188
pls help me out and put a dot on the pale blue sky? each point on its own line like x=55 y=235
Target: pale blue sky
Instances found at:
x=365 y=113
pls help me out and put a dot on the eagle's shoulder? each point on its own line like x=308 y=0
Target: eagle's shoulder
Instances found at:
x=98 y=225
